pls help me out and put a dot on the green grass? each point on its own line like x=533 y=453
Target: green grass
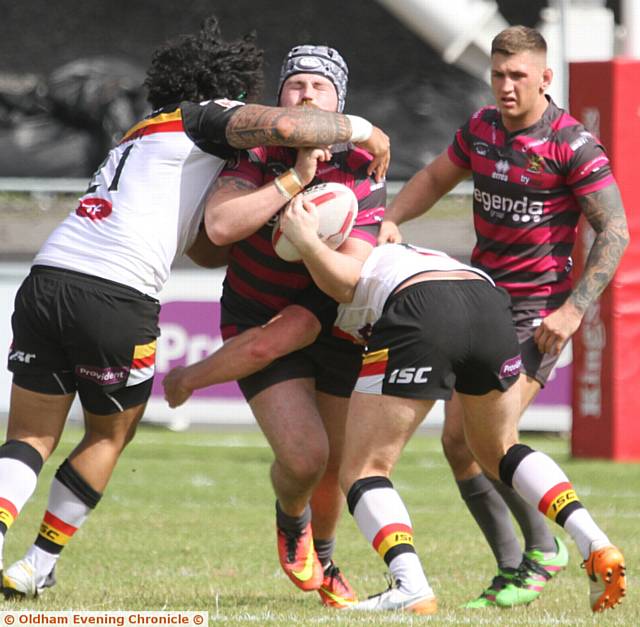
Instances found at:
x=188 y=523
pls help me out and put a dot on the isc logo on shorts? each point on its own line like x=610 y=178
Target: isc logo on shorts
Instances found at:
x=21 y=356
x=410 y=375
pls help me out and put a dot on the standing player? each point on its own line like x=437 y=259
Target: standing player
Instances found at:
x=86 y=318
x=535 y=170
x=300 y=400
x=432 y=324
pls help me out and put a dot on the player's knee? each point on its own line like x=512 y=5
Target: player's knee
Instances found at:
x=455 y=449
x=307 y=467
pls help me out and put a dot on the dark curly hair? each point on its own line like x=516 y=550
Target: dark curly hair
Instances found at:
x=204 y=66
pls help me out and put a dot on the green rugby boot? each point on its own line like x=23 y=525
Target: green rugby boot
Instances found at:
x=502 y=581
x=533 y=574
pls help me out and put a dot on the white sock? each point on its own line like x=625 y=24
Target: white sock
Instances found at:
x=41 y=561
x=586 y=534
x=384 y=521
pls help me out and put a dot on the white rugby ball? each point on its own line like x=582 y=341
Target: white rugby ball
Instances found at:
x=337 y=207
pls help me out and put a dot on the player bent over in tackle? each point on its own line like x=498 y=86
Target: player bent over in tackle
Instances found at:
x=441 y=304
x=436 y=325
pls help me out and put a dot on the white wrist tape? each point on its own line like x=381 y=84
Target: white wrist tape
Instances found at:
x=361 y=129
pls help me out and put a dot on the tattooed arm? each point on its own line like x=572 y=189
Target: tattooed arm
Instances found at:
x=255 y=125
x=605 y=213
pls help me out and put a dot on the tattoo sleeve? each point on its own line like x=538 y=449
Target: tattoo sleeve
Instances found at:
x=255 y=125
x=605 y=213
x=231 y=183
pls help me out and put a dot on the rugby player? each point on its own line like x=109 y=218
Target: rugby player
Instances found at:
x=300 y=400
x=431 y=325
x=535 y=170
x=86 y=317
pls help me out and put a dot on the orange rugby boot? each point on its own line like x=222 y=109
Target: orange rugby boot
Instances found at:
x=299 y=559
x=607 y=582
x=335 y=590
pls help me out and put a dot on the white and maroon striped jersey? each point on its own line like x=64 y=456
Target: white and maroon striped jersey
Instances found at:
x=387 y=267
x=145 y=203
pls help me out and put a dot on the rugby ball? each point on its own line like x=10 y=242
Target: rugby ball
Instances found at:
x=337 y=207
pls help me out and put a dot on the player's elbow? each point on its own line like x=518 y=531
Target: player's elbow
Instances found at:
x=219 y=232
x=263 y=351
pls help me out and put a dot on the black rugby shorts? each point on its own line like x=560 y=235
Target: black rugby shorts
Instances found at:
x=535 y=364
x=332 y=362
x=436 y=336
x=74 y=332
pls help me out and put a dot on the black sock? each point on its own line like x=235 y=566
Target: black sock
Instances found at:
x=532 y=523
x=324 y=549
x=492 y=516
x=296 y=524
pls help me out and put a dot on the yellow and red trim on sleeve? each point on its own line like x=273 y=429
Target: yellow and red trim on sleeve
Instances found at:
x=161 y=123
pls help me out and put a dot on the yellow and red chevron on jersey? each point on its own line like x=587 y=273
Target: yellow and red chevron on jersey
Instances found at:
x=56 y=530
x=161 y=123
x=143 y=363
x=8 y=512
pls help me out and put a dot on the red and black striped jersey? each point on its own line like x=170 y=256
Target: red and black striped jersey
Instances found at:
x=258 y=282
x=526 y=186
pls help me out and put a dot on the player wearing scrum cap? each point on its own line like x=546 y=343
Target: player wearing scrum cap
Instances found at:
x=86 y=318
x=300 y=400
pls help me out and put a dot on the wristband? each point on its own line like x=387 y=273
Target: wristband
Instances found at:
x=289 y=184
x=361 y=129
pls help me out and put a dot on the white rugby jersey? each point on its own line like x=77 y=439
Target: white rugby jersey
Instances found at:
x=385 y=269
x=145 y=203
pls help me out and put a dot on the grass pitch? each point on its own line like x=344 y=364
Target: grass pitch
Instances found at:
x=187 y=523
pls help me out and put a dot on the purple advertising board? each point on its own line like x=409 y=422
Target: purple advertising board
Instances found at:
x=190 y=332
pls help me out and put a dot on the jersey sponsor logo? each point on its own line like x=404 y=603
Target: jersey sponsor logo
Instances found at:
x=584 y=138
x=535 y=144
x=502 y=168
x=102 y=376
x=594 y=165
x=521 y=210
x=481 y=148
x=511 y=367
x=21 y=356
x=94 y=208
x=410 y=375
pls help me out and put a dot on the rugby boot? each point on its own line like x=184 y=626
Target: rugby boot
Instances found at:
x=487 y=597
x=533 y=574
x=395 y=600
x=335 y=590
x=299 y=559
x=19 y=581
x=607 y=582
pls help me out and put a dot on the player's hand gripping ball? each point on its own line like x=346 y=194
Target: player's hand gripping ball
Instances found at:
x=337 y=208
